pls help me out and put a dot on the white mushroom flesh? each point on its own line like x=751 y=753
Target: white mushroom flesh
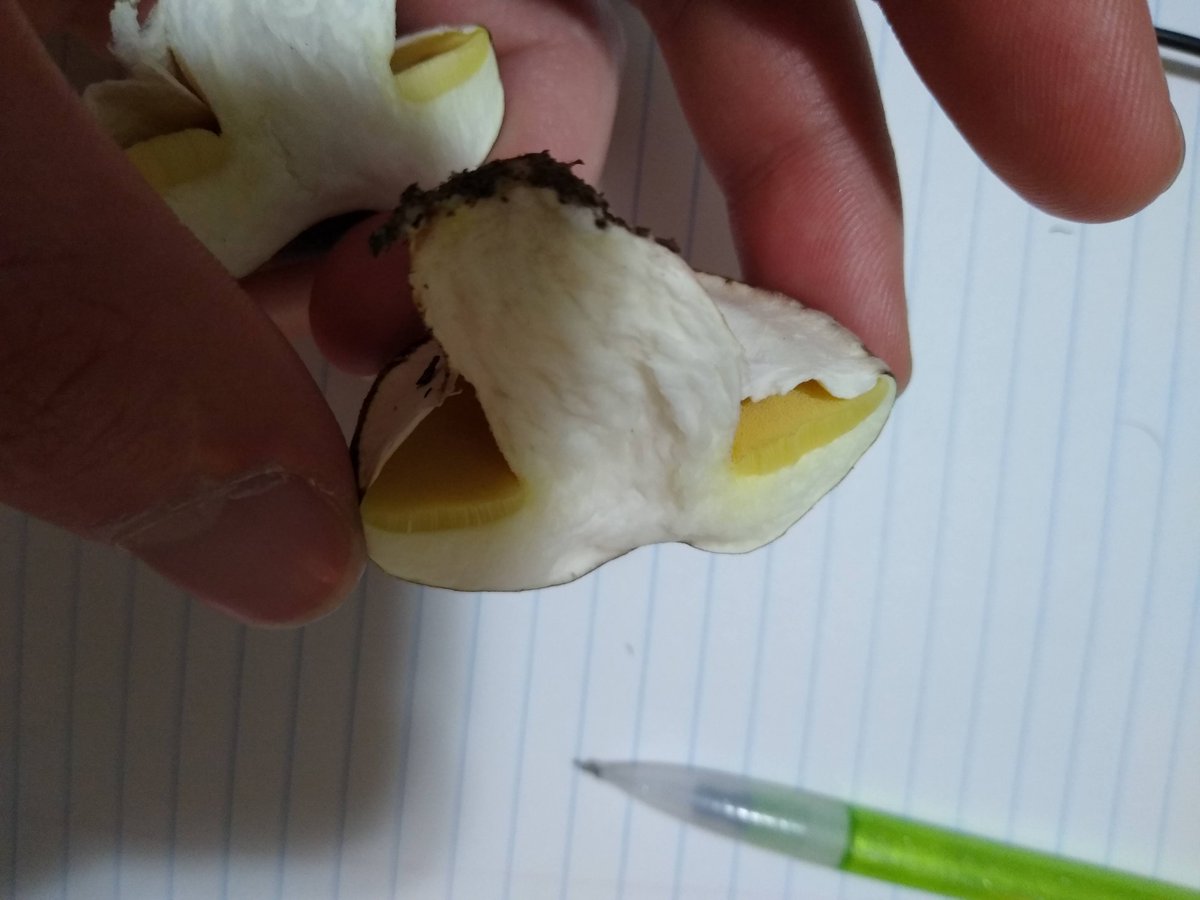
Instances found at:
x=255 y=119
x=631 y=400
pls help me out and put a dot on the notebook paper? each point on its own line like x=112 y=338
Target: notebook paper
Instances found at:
x=993 y=623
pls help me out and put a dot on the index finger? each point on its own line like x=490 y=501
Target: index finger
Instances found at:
x=556 y=62
x=783 y=102
x=1065 y=100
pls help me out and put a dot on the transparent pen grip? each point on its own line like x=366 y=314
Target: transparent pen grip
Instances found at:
x=805 y=826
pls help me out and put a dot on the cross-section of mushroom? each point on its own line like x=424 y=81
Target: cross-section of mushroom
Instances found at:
x=255 y=119
x=585 y=392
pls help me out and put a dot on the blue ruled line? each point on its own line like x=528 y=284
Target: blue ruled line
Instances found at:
x=760 y=641
x=639 y=710
x=697 y=703
x=981 y=643
x=239 y=679
x=952 y=438
x=177 y=741
x=1192 y=654
x=580 y=722
x=69 y=737
x=514 y=802
x=457 y=802
x=406 y=729
x=289 y=762
x=1169 y=457
x=810 y=673
x=18 y=705
x=1184 y=702
x=360 y=600
x=1106 y=531
x=123 y=726
x=1051 y=541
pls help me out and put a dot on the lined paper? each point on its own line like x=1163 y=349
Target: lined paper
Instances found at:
x=994 y=623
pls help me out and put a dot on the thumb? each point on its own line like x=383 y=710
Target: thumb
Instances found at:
x=144 y=400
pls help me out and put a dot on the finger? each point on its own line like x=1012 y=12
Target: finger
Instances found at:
x=145 y=400
x=558 y=65
x=784 y=104
x=1066 y=100
x=282 y=293
x=361 y=312
x=559 y=73
x=87 y=19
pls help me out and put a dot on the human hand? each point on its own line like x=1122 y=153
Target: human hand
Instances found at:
x=152 y=404
x=148 y=401
x=1066 y=101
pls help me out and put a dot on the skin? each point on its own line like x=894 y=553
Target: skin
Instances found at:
x=152 y=402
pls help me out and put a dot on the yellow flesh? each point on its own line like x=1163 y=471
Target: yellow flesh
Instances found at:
x=171 y=159
x=449 y=473
x=427 y=68
x=424 y=70
x=776 y=431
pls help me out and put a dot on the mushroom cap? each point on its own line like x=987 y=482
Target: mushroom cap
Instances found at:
x=613 y=378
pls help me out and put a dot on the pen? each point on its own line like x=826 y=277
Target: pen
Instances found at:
x=829 y=832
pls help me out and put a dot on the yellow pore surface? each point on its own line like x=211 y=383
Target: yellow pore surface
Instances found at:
x=427 y=68
x=170 y=159
x=449 y=473
x=423 y=70
x=776 y=431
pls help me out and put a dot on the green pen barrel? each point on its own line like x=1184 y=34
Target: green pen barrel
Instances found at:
x=957 y=865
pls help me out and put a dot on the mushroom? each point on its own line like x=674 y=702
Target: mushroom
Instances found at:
x=585 y=392
x=255 y=119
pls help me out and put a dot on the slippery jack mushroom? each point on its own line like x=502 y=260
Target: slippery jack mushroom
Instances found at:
x=254 y=120
x=584 y=392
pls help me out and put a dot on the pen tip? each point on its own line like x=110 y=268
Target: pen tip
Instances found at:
x=588 y=765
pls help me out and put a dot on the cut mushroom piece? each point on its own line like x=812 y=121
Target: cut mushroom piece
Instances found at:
x=593 y=393
x=774 y=432
x=178 y=157
x=424 y=446
x=255 y=121
x=447 y=474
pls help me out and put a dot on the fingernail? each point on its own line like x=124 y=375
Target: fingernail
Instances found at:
x=268 y=548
